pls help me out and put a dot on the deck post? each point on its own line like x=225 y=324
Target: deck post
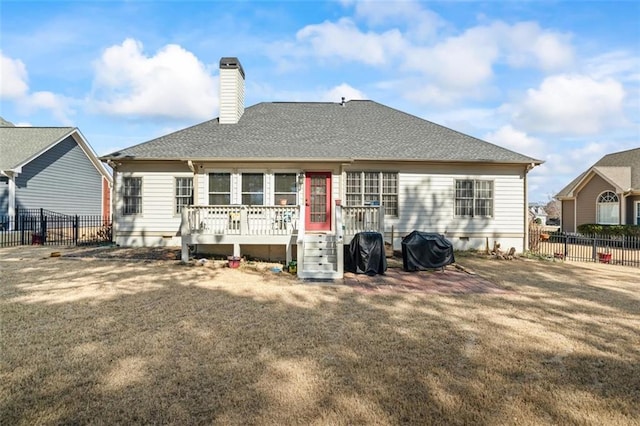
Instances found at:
x=339 y=241
x=184 y=232
x=244 y=222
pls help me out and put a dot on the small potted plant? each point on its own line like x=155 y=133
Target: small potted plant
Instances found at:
x=233 y=261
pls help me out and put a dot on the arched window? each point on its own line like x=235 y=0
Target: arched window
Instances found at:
x=607 y=208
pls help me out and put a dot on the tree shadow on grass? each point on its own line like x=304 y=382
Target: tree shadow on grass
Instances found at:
x=162 y=343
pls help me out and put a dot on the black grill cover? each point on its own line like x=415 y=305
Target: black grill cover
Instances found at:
x=426 y=250
x=365 y=254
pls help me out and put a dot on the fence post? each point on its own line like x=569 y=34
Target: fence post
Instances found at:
x=594 y=252
x=566 y=246
x=21 y=228
x=43 y=230
x=75 y=230
x=624 y=238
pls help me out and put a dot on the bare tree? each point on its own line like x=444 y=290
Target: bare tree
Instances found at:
x=552 y=208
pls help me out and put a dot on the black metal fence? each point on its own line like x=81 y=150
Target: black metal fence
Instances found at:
x=611 y=249
x=41 y=226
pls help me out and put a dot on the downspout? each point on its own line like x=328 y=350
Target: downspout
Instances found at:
x=114 y=203
x=526 y=208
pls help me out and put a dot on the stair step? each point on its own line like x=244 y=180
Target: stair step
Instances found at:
x=320 y=259
x=320 y=251
x=320 y=275
x=317 y=267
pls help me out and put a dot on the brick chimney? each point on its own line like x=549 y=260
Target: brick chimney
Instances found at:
x=231 y=90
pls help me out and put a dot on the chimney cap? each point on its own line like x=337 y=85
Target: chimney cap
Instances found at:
x=231 y=62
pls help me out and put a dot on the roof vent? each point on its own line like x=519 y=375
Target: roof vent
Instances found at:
x=342 y=103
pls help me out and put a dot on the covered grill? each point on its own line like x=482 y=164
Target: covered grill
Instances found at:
x=365 y=254
x=426 y=250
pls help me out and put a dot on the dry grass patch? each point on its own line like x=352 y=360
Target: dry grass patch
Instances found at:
x=108 y=340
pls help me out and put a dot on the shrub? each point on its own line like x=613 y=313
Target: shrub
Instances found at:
x=618 y=230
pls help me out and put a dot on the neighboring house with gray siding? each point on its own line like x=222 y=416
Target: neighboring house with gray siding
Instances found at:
x=53 y=168
x=607 y=193
x=298 y=179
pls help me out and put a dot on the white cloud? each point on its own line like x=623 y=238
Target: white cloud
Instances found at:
x=344 y=40
x=516 y=140
x=571 y=104
x=13 y=81
x=466 y=61
x=14 y=86
x=343 y=90
x=458 y=62
x=617 y=64
x=57 y=104
x=526 y=44
x=173 y=83
x=422 y=24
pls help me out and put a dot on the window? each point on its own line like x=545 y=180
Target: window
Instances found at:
x=253 y=189
x=607 y=210
x=474 y=198
x=286 y=188
x=132 y=195
x=372 y=188
x=637 y=222
x=184 y=193
x=219 y=189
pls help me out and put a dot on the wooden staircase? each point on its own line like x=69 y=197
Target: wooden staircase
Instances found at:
x=320 y=257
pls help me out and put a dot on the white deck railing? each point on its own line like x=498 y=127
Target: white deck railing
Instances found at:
x=241 y=220
x=362 y=219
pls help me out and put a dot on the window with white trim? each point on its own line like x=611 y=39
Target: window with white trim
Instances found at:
x=131 y=195
x=474 y=198
x=286 y=188
x=637 y=221
x=373 y=188
x=608 y=209
x=219 y=189
x=184 y=193
x=253 y=189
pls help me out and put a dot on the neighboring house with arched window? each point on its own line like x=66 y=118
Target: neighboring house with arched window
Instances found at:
x=607 y=193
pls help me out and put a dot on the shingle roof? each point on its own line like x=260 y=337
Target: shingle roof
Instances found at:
x=363 y=130
x=621 y=168
x=19 y=144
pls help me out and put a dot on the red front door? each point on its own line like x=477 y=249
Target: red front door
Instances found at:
x=317 y=189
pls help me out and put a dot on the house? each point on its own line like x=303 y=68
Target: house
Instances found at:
x=299 y=179
x=607 y=193
x=538 y=214
x=51 y=168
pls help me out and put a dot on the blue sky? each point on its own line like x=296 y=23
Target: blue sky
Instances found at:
x=558 y=81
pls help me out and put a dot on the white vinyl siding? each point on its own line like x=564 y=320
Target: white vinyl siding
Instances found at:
x=426 y=196
x=157 y=224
